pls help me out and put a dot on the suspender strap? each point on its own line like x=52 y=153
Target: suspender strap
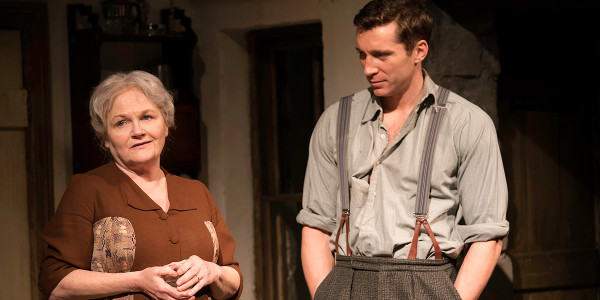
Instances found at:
x=342 y=144
x=424 y=184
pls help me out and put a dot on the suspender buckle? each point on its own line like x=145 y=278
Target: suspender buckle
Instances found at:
x=437 y=107
x=345 y=220
x=420 y=216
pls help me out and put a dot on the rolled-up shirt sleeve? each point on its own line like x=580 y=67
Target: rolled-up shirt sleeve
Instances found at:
x=482 y=188
x=320 y=193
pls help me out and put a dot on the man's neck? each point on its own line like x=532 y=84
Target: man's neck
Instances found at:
x=406 y=100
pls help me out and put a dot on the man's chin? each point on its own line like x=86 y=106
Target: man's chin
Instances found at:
x=379 y=92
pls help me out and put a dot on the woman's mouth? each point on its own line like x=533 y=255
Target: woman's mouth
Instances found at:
x=140 y=144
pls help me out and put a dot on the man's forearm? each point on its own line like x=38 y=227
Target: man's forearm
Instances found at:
x=317 y=260
x=477 y=268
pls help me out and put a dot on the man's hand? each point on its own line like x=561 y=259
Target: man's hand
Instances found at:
x=477 y=268
x=317 y=260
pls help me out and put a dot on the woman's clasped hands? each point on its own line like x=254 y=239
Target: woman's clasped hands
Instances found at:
x=179 y=280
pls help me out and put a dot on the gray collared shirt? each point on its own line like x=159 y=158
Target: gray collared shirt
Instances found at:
x=468 y=185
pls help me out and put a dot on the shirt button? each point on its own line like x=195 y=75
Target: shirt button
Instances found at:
x=383 y=136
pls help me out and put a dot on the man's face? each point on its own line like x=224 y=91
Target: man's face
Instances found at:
x=387 y=66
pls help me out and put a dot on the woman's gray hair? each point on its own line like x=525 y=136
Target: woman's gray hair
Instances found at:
x=105 y=93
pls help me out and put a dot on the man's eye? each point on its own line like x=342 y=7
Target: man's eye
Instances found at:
x=361 y=55
x=381 y=55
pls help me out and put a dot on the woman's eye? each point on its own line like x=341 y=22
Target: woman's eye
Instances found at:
x=120 y=123
x=146 y=117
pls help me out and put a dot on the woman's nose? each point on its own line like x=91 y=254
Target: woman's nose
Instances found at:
x=137 y=129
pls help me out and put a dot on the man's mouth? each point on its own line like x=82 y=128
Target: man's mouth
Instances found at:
x=140 y=144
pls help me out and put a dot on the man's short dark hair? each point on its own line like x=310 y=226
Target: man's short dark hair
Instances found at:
x=412 y=17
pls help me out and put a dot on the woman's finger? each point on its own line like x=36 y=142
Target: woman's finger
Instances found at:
x=168 y=275
x=188 y=284
x=184 y=267
x=167 y=270
x=176 y=264
x=197 y=286
x=189 y=275
x=170 y=292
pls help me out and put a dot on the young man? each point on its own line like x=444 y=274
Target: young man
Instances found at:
x=387 y=131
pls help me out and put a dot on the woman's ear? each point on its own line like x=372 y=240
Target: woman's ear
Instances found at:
x=105 y=141
x=420 y=51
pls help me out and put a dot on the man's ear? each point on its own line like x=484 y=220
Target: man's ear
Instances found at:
x=420 y=51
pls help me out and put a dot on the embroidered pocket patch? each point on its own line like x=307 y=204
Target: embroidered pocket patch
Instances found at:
x=215 y=240
x=114 y=247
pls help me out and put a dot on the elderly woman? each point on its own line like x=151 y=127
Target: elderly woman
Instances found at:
x=129 y=228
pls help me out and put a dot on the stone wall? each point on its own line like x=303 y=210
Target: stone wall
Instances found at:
x=459 y=61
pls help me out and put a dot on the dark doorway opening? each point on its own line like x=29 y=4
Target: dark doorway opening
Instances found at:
x=287 y=100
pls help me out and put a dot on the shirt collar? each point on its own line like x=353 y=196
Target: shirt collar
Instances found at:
x=137 y=198
x=429 y=87
x=373 y=109
x=180 y=197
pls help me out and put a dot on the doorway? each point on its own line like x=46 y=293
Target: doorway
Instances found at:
x=287 y=100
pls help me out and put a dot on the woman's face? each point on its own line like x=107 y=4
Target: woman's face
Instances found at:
x=136 y=130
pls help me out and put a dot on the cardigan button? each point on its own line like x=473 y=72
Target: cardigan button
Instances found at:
x=163 y=216
x=174 y=239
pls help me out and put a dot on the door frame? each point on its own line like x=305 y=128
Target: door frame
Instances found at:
x=32 y=20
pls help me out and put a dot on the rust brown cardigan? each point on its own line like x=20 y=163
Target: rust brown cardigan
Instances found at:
x=161 y=237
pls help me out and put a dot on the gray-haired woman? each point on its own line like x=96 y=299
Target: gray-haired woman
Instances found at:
x=129 y=228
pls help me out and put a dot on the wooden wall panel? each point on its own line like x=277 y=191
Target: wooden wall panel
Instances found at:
x=549 y=169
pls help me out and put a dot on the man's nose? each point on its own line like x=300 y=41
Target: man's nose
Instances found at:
x=369 y=66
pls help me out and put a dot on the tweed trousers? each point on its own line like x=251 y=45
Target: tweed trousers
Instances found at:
x=359 y=277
